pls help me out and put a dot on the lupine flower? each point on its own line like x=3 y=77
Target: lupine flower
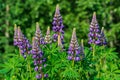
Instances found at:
x=20 y=42
x=94 y=31
x=38 y=59
x=15 y=35
x=38 y=34
x=58 y=25
x=23 y=43
x=103 y=40
x=74 y=49
x=48 y=37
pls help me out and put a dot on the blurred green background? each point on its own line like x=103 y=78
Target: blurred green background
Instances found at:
x=75 y=13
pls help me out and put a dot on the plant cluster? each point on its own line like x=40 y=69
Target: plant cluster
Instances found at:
x=50 y=57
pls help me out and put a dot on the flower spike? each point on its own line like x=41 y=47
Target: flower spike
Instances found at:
x=38 y=59
x=58 y=25
x=103 y=40
x=94 y=31
x=23 y=43
x=38 y=34
x=48 y=37
x=74 y=49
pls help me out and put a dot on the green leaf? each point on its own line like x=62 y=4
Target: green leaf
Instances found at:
x=4 y=71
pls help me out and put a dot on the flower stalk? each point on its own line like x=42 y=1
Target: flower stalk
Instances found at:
x=48 y=39
x=38 y=59
x=38 y=34
x=58 y=25
x=74 y=49
x=94 y=34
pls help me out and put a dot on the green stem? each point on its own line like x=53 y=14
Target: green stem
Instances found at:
x=42 y=78
x=73 y=62
x=30 y=69
x=93 y=51
x=28 y=66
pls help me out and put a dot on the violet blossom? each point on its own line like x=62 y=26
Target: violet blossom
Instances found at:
x=22 y=42
x=38 y=34
x=48 y=39
x=94 y=34
x=38 y=59
x=58 y=25
x=103 y=40
x=74 y=49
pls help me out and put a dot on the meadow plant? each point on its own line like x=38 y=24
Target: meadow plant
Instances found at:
x=103 y=40
x=37 y=55
x=48 y=39
x=38 y=34
x=21 y=41
x=44 y=61
x=58 y=25
x=74 y=49
x=94 y=34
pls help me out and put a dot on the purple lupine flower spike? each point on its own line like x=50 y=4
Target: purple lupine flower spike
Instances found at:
x=94 y=31
x=48 y=37
x=103 y=40
x=38 y=34
x=58 y=25
x=38 y=58
x=27 y=44
x=74 y=49
x=15 y=35
x=23 y=43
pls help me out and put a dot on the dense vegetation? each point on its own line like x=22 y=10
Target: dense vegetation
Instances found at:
x=75 y=14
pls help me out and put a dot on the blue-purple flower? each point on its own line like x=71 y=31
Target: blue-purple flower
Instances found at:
x=94 y=34
x=48 y=39
x=103 y=40
x=37 y=55
x=38 y=35
x=74 y=49
x=21 y=41
x=58 y=25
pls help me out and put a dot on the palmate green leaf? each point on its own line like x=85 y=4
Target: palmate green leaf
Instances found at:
x=7 y=77
x=70 y=73
x=2 y=65
x=117 y=72
x=4 y=70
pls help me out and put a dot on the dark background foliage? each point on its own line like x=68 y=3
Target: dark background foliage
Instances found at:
x=75 y=13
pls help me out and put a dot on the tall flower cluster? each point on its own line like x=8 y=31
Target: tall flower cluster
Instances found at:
x=94 y=36
x=58 y=25
x=74 y=49
x=38 y=34
x=21 y=41
x=103 y=40
x=48 y=37
x=38 y=59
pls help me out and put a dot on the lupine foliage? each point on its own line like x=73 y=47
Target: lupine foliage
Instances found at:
x=49 y=61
